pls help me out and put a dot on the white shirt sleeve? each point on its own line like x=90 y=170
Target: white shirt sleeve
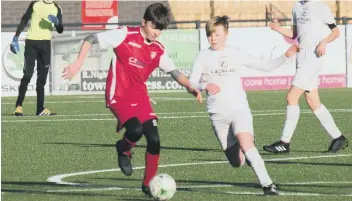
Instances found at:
x=166 y=64
x=112 y=38
x=327 y=15
x=259 y=64
x=197 y=70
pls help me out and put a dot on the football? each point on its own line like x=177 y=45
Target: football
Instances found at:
x=162 y=187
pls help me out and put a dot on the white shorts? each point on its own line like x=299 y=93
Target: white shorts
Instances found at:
x=308 y=69
x=226 y=126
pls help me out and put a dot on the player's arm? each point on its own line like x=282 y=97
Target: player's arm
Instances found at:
x=335 y=33
x=59 y=26
x=25 y=18
x=111 y=38
x=183 y=80
x=329 y=20
x=195 y=78
x=290 y=33
x=168 y=66
x=258 y=64
x=14 y=46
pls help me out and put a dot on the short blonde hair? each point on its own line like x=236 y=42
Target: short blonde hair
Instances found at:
x=216 y=21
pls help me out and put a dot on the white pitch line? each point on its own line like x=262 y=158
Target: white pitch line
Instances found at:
x=90 y=189
x=282 y=193
x=114 y=119
x=102 y=100
x=56 y=102
x=291 y=183
x=255 y=113
x=38 y=119
x=58 y=179
x=55 y=120
x=317 y=182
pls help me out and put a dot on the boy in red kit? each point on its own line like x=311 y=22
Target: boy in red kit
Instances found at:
x=136 y=55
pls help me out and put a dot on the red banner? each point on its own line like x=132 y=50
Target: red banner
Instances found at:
x=101 y=11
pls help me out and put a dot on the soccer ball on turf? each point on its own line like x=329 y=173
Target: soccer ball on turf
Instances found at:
x=162 y=187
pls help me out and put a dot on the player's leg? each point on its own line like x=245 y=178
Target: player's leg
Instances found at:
x=229 y=144
x=30 y=55
x=246 y=141
x=43 y=65
x=233 y=150
x=292 y=117
x=243 y=129
x=133 y=133
x=321 y=112
x=152 y=155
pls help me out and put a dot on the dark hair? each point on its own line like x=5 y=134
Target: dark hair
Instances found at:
x=214 y=22
x=158 y=14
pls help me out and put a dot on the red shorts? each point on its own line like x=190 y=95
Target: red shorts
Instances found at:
x=127 y=109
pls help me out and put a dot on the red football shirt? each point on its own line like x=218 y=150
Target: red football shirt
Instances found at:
x=133 y=61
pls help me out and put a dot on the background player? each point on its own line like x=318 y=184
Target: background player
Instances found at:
x=309 y=20
x=136 y=55
x=43 y=15
x=218 y=68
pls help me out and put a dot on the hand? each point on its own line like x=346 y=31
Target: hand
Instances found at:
x=274 y=24
x=292 y=50
x=321 y=49
x=53 y=19
x=71 y=70
x=212 y=88
x=14 y=46
x=196 y=93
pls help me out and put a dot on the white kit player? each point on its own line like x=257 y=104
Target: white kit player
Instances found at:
x=216 y=70
x=309 y=18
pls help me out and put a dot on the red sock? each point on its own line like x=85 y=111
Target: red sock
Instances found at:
x=129 y=144
x=126 y=146
x=151 y=167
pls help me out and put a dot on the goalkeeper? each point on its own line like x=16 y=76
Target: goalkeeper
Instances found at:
x=44 y=15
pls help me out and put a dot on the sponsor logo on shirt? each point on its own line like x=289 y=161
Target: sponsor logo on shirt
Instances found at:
x=135 y=62
x=223 y=62
x=223 y=71
x=303 y=18
x=134 y=44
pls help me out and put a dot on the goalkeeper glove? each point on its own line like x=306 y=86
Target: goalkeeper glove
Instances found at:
x=14 y=47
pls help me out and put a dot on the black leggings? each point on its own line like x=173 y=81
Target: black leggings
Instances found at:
x=40 y=51
x=135 y=131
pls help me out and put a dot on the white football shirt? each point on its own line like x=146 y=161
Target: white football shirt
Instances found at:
x=223 y=68
x=311 y=18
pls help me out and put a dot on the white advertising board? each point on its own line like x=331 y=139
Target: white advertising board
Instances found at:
x=12 y=68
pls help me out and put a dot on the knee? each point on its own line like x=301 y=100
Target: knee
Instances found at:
x=313 y=102
x=292 y=99
x=134 y=129
x=26 y=78
x=41 y=83
x=310 y=101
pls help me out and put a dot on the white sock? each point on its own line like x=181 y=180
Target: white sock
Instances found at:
x=327 y=121
x=258 y=166
x=292 y=117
